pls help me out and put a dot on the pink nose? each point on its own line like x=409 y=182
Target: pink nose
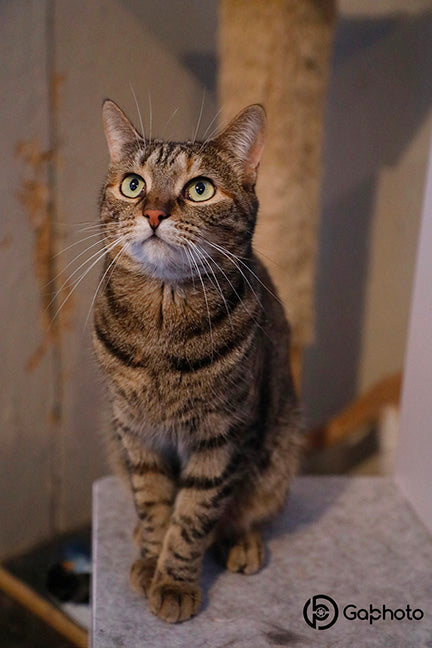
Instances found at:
x=155 y=216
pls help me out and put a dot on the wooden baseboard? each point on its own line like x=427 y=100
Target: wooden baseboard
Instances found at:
x=364 y=410
x=25 y=596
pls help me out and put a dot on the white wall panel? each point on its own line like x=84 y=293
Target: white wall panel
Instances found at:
x=413 y=469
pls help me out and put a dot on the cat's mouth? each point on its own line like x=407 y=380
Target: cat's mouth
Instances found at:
x=158 y=257
x=155 y=239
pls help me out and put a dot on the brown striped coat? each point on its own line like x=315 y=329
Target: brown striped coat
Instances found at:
x=194 y=346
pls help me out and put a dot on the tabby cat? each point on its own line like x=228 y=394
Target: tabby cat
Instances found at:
x=194 y=346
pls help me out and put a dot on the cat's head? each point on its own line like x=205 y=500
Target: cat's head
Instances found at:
x=174 y=210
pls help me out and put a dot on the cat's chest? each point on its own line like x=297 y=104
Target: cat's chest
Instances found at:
x=167 y=352
x=156 y=342
x=167 y=321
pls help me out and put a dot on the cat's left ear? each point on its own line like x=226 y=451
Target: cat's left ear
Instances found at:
x=244 y=137
x=119 y=131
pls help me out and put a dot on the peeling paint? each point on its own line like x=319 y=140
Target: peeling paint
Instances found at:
x=5 y=242
x=35 y=198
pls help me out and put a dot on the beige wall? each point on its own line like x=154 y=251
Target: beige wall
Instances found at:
x=378 y=119
x=392 y=251
x=26 y=428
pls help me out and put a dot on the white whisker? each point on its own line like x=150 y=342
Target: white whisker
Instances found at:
x=99 y=254
x=77 y=224
x=84 y=274
x=100 y=283
x=76 y=243
x=78 y=255
x=199 y=117
x=247 y=268
x=168 y=120
x=150 y=117
x=217 y=285
x=206 y=301
x=212 y=133
x=137 y=108
x=183 y=249
x=226 y=253
x=219 y=127
x=226 y=277
x=98 y=227
x=139 y=117
x=205 y=138
x=73 y=261
x=261 y=253
x=236 y=292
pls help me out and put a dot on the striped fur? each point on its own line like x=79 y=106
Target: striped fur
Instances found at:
x=194 y=346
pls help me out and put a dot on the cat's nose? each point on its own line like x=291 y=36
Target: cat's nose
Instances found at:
x=155 y=216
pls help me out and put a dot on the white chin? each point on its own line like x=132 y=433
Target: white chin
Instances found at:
x=159 y=259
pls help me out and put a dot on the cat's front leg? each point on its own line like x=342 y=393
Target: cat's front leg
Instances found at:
x=153 y=489
x=205 y=486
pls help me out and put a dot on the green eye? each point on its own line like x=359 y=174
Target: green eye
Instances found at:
x=132 y=186
x=199 y=189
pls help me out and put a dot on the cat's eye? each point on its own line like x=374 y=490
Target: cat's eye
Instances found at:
x=132 y=186
x=199 y=189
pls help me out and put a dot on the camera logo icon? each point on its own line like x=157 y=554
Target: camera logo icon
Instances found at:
x=320 y=612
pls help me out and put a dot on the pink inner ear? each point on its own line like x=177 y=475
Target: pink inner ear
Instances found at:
x=118 y=129
x=114 y=142
x=256 y=150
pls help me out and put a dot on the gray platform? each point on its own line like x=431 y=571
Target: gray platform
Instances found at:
x=353 y=539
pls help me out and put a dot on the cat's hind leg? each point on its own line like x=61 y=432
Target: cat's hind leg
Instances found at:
x=244 y=555
x=259 y=498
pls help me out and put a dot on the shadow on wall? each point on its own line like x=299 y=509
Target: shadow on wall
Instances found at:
x=380 y=92
x=193 y=42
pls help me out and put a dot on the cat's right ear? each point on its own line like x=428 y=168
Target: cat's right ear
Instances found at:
x=119 y=131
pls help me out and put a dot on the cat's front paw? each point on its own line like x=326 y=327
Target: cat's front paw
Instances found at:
x=174 y=602
x=141 y=575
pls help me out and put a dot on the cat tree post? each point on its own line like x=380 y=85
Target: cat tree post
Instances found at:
x=277 y=53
